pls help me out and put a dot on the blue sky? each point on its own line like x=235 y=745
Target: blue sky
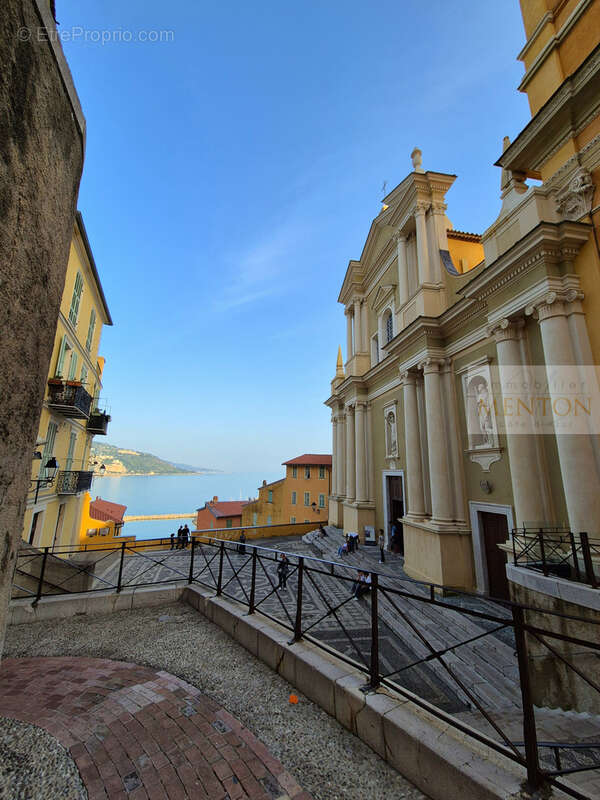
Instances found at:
x=232 y=172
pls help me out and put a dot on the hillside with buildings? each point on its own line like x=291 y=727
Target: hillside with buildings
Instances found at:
x=123 y=461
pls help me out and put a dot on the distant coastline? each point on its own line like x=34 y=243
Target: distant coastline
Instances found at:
x=120 y=461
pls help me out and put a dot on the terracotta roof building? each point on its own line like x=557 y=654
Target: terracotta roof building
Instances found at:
x=219 y=514
x=107 y=511
x=302 y=496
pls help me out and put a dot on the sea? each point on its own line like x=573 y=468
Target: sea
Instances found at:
x=173 y=494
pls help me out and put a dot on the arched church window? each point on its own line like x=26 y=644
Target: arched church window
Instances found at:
x=389 y=327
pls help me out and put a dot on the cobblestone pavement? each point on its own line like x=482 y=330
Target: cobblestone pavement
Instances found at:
x=140 y=734
x=323 y=757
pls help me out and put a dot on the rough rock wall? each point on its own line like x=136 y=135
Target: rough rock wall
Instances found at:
x=41 y=158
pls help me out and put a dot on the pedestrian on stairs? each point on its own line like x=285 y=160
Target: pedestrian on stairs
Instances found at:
x=381 y=547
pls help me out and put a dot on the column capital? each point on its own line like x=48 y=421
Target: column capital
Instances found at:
x=429 y=365
x=349 y=309
x=555 y=304
x=408 y=377
x=399 y=236
x=421 y=207
x=350 y=407
x=361 y=405
x=439 y=207
x=506 y=329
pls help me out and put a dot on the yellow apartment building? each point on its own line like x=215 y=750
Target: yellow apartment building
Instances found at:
x=442 y=326
x=72 y=413
x=302 y=496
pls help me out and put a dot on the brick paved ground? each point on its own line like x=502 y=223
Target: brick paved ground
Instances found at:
x=141 y=734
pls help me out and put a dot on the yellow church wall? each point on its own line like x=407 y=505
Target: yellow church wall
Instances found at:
x=464 y=251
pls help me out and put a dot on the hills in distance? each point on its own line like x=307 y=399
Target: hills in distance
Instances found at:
x=123 y=461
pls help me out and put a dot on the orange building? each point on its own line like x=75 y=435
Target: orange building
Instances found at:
x=302 y=496
x=215 y=514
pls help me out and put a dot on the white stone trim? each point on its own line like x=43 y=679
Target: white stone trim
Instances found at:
x=481 y=573
x=568 y=591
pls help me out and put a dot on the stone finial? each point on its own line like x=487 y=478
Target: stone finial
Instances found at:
x=339 y=367
x=417 y=160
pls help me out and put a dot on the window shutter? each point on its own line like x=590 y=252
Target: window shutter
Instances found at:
x=91 y=329
x=72 y=367
x=60 y=364
x=76 y=299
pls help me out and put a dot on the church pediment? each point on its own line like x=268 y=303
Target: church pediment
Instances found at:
x=383 y=296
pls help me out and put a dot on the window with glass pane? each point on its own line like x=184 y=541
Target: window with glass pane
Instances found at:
x=71 y=451
x=229 y=523
x=321 y=472
x=389 y=327
x=321 y=501
x=62 y=355
x=254 y=517
x=76 y=299
x=48 y=448
x=292 y=519
x=306 y=498
x=293 y=498
x=294 y=472
x=307 y=472
x=270 y=495
x=91 y=328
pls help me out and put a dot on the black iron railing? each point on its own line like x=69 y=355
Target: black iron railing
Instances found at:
x=468 y=660
x=558 y=551
x=73 y=482
x=69 y=400
x=98 y=423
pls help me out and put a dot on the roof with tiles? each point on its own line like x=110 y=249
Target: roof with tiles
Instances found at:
x=309 y=460
x=107 y=511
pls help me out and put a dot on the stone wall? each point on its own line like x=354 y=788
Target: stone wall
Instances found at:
x=41 y=159
x=554 y=684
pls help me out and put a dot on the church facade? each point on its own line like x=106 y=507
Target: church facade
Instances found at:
x=452 y=415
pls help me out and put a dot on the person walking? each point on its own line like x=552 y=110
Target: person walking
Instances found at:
x=381 y=543
x=179 y=537
x=242 y=544
x=282 y=571
x=172 y=541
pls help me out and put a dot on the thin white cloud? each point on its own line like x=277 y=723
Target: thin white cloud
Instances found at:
x=260 y=271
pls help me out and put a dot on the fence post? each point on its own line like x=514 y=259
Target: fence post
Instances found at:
x=587 y=559
x=374 y=682
x=41 y=578
x=574 y=552
x=543 y=552
x=191 y=575
x=120 y=578
x=253 y=584
x=298 y=621
x=534 y=776
x=220 y=578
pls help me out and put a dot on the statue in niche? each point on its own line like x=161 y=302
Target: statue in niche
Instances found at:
x=484 y=411
x=390 y=434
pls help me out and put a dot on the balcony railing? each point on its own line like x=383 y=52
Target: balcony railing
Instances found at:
x=98 y=423
x=69 y=399
x=73 y=482
x=559 y=552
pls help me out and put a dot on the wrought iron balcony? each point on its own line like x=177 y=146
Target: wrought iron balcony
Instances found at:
x=73 y=482
x=98 y=422
x=69 y=399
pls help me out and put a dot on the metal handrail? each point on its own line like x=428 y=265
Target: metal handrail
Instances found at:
x=212 y=564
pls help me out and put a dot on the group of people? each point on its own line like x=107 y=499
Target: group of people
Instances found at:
x=350 y=545
x=183 y=537
x=362 y=584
